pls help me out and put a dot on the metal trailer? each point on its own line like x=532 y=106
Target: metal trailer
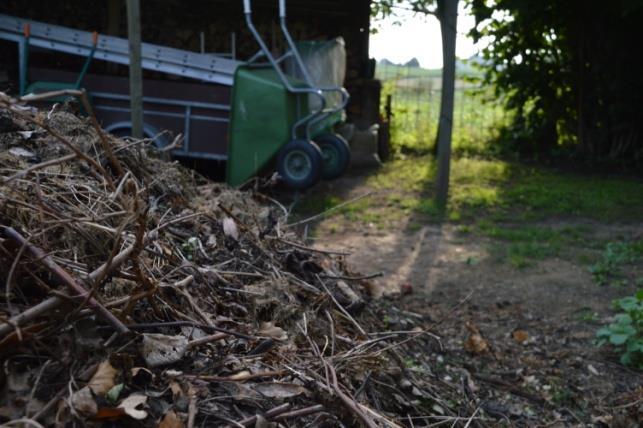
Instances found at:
x=251 y=114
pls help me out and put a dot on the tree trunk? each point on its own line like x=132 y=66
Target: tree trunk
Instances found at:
x=448 y=15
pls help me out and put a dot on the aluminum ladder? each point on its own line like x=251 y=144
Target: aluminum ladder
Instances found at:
x=177 y=62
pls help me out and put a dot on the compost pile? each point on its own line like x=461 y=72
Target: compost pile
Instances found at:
x=136 y=293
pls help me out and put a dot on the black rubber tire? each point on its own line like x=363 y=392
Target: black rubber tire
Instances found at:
x=303 y=151
x=160 y=140
x=341 y=152
x=122 y=132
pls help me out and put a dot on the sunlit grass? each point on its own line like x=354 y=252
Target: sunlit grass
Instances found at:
x=477 y=117
x=521 y=211
x=496 y=190
x=319 y=204
x=550 y=193
x=475 y=183
x=521 y=244
x=509 y=191
x=409 y=174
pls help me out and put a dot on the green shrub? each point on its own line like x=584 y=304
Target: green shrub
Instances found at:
x=626 y=332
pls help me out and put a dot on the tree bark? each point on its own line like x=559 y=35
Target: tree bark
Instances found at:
x=448 y=16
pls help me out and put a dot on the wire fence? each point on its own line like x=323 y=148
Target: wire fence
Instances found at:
x=415 y=104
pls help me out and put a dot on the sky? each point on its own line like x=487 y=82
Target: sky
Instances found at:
x=418 y=36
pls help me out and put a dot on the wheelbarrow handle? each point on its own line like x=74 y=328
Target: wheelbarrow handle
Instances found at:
x=247 y=7
x=282 y=8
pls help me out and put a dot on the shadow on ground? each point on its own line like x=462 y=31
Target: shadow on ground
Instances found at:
x=497 y=265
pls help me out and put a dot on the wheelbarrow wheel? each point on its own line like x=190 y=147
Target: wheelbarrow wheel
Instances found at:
x=299 y=164
x=336 y=154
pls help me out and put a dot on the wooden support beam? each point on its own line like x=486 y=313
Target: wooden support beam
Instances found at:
x=135 y=69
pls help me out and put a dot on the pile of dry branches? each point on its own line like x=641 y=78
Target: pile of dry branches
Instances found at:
x=139 y=294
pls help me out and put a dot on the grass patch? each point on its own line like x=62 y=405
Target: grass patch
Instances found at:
x=501 y=192
x=408 y=174
x=318 y=204
x=362 y=210
x=522 y=246
x=607 y=270
x=520 y=234
x=507 y=191
x=474 y=185
x=542 y=192
x=522 y=254
x=586 y=315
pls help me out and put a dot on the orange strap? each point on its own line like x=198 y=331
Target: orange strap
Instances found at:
x=26 y=30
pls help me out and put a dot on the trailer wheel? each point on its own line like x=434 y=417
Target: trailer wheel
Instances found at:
x=124 y=130
x=299 y=164
x=336 y=154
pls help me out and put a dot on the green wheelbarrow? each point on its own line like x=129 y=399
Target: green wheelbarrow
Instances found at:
x=274 y=120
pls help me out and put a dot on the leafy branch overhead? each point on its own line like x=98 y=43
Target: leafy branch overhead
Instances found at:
x=563 y=69
x=383 y=8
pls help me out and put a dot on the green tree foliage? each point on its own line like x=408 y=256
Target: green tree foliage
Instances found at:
x=570 y=70
x=383 y=8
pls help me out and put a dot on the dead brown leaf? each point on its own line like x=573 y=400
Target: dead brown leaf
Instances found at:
x=109 y=413
x=171 y=420
x=141 y=376
x=83 y=402
x=242 y=374
x=280 y=390
x=475 y=343
x=240 y=391
x=406 y=288
x=262 y=422
x=269 y=329
x=230 y=228
x=176 y=389
x=160 y=349
x=520 y=336
x=103 y=379
x=130 y=406
x=374 y=289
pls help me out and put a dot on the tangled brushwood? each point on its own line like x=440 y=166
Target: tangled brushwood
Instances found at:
x=136 y=293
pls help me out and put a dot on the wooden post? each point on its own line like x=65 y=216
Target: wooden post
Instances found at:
x=135 y=70
x=114 y=17
x=448 y=15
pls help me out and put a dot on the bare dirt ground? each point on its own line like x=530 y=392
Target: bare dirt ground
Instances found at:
x=520 y=341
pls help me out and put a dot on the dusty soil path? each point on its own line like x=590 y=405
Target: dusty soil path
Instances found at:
x=537 y=364
x=444 y=266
